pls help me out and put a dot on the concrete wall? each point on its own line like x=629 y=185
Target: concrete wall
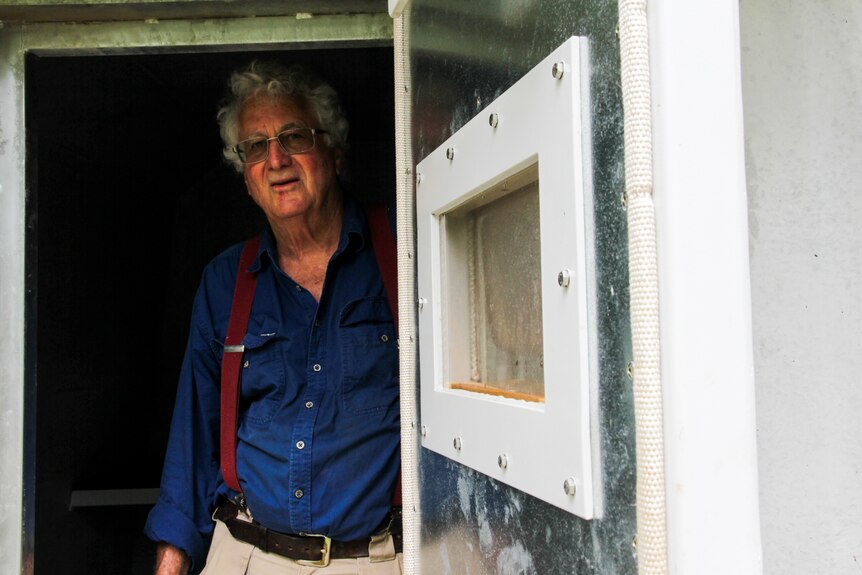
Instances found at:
x=802 y=81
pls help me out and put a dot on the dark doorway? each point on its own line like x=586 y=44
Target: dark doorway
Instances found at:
x=128 y=200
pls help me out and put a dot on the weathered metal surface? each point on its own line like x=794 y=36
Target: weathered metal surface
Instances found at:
x=464 y=55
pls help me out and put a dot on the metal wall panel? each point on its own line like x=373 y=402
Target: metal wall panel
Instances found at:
x=462 y=56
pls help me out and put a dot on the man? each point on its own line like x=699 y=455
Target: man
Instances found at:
x=317 y=438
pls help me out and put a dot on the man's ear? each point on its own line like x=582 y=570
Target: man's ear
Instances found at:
x=338 y=154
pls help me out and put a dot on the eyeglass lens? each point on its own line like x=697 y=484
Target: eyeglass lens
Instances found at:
x=293 y=141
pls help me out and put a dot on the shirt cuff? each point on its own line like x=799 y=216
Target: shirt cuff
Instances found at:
x=168 y=524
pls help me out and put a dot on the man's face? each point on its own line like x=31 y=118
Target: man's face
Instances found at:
x=285 y=185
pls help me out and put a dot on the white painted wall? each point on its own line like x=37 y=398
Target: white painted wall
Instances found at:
x=802 y=91
x=11 y=303
x=705 y=310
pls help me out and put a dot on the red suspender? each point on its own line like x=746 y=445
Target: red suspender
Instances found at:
x=231 y=363
x=384 y=250
x=243 y=295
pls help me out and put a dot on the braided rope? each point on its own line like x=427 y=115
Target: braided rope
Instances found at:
x=406 y=297
x=643 y=278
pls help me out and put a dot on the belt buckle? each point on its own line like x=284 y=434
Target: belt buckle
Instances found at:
x=324 y=557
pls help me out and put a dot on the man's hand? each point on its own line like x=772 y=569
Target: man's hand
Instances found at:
x=171 y=561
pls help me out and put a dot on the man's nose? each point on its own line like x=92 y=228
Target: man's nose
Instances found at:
x=276 y=156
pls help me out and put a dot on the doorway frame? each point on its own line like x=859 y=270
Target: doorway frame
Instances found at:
x=17 y=278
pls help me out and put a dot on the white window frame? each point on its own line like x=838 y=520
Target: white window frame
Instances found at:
x=545 y=449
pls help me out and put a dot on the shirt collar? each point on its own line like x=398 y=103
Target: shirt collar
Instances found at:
x=354 y=235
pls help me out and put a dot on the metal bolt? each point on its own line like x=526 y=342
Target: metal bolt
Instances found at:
x=564 y=278
x=503 y=461
x=457 y=443
x=424 y=430
x=569 y=487
x=422 y=302
x=624 y=199
x=494 y=120
x=418 y=179
x=450 y=153
x=558 y=70
x=630 y=370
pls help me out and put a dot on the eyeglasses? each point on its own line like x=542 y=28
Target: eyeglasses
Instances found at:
x=292 y=141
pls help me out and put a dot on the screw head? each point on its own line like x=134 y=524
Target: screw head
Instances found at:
x=457 y=443
x=564 y=278
x=494 y=120
x=558 y=70
x=424 y=430
x=450 y=153
x=570 y=487
x=503 y=461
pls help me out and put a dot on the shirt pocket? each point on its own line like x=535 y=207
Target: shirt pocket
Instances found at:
x=369 y=356
x=262 y=384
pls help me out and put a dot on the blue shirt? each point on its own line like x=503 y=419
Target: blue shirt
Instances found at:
x=318 y=425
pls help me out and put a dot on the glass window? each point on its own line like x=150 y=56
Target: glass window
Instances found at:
x=493 y=291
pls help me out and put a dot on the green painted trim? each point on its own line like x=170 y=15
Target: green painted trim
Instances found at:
x=169 y=35
x=116 y=10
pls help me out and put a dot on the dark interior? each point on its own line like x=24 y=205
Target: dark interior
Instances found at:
x=128 y=199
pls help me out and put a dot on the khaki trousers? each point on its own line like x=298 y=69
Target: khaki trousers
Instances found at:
x=228 y=556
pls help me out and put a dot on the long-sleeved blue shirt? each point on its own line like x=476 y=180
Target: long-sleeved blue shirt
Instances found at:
x=318 y=425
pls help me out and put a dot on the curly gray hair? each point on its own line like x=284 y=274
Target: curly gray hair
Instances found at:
x=294 y=82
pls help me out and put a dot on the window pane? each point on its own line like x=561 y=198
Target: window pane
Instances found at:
x=493 y=291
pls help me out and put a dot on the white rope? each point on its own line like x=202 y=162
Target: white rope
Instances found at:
x=643 y=278
x=406 y=296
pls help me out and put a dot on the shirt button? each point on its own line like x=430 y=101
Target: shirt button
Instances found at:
x=300 y=445
x=298 y=287
x=298 y=493
x=309 y=404
x=245 y=364
x=316 y=323
x=316 y=367
x=384 y=338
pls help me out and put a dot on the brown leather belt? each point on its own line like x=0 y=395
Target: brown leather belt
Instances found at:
x=314 y=550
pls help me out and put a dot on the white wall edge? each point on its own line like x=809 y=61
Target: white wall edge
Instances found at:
x=704 y=288
x=12 y=293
